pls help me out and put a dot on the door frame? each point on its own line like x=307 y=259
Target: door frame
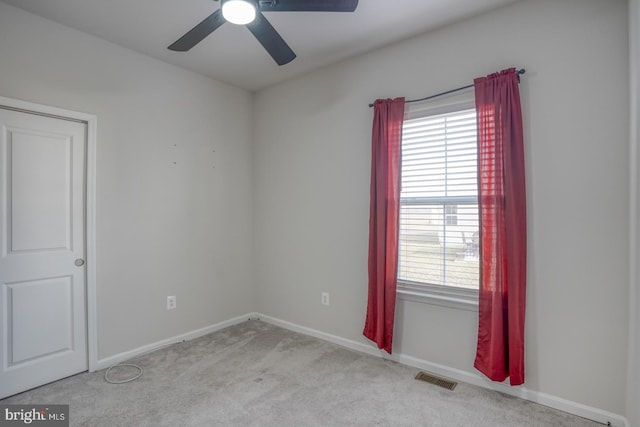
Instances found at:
x=90 y=208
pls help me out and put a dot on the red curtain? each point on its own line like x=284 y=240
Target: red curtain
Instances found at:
x=503 y=231
x=386 y=141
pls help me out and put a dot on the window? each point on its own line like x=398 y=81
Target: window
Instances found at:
x=439 y=222
x=451 y=214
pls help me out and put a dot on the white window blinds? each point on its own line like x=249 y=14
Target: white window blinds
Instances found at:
x=439 y=233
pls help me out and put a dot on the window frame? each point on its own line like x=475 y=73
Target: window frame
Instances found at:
x=442 y=295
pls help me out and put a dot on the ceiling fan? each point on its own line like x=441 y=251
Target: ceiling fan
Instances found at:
x=249 y=13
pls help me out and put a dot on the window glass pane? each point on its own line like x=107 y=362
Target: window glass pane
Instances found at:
x=439 y=225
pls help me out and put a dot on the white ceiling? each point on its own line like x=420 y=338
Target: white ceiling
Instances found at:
x=231 y=54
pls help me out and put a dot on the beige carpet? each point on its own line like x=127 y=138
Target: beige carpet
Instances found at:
x=256 y=374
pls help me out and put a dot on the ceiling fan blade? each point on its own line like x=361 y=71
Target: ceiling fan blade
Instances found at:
x=199 y=32
x=271 y=40
x=309 y=6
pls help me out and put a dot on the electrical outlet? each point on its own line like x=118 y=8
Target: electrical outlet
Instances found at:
x=171 y=302
x=325 y=298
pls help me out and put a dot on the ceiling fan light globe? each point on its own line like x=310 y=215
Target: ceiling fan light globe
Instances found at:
x=239 y=12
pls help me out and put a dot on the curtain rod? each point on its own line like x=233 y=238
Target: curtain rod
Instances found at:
x=518 y=73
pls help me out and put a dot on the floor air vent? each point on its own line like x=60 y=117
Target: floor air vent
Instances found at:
x=436 y=380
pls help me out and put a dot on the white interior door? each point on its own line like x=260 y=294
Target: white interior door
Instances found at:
x=43 y=316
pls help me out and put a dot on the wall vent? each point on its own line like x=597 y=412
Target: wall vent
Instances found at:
x=436 y=380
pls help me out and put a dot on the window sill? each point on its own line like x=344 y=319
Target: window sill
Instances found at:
x=460 y=299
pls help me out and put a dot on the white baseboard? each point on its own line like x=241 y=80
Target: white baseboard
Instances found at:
x=121 y=357
x=595 y=414
x=584 y=411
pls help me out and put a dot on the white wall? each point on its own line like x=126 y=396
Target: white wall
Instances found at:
x=311 y=176
x=633 y=385
x=163 y=229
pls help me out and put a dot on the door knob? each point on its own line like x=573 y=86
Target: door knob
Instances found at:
x=79 y=262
